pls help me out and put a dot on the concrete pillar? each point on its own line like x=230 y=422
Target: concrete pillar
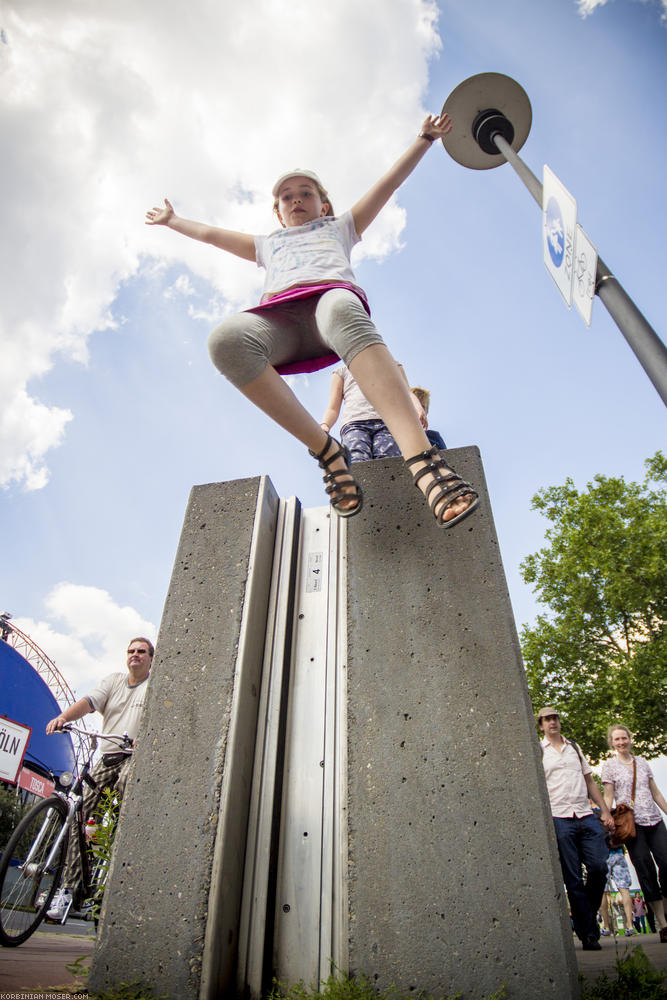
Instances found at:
x=454 y=881
x=170 y=913
x=449 y=877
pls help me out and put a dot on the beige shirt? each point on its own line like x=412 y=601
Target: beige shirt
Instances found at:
x=566 y=785
x=120 y=704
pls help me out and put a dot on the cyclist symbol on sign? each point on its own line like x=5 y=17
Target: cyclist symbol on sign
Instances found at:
x=555 y=232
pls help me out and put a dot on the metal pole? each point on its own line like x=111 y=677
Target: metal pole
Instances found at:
x=640 y=335
x=522 y=169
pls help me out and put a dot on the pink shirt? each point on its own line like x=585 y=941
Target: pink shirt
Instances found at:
x=620 y=778
x=566 y=784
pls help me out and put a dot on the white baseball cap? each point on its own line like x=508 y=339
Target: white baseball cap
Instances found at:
x=297 y=172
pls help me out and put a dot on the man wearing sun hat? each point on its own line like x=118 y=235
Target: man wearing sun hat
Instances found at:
x=579 y=834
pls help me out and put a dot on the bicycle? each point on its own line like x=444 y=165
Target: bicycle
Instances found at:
x=35 y=855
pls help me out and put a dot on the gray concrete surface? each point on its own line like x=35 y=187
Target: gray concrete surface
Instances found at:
x=454 y=882
x=41 y=963
x=166 y=920
x=453 y=879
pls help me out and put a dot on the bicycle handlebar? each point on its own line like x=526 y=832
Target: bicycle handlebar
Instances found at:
x=123 y=739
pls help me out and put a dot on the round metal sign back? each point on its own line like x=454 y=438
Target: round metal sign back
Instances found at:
x=468 y=101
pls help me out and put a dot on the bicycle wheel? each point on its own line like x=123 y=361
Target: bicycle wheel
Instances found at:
x=27 y=885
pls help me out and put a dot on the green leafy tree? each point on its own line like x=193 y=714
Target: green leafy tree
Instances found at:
x=11 y=813
x=600 y=654
x=101 y=847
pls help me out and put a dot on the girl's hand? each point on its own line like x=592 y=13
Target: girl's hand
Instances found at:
x=159 y=216
x=437 y=125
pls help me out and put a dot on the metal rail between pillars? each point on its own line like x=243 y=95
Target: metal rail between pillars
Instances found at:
x=294 y=904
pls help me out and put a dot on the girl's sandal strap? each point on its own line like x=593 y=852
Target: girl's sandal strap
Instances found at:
x=336 y=479
x=445 y=487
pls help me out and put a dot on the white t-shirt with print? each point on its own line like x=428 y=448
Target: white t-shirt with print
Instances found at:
x=317 y=252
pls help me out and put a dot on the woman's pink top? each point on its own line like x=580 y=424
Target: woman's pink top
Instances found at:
x=620 y=778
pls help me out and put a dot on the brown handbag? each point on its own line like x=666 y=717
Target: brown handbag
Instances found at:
x=624 y=816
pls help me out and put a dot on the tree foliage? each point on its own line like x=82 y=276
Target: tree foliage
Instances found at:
x=11 y=812
x=600 y=654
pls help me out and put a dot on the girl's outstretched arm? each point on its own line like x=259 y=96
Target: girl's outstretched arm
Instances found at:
x=374 y=200
x=240 y=244
x=332 y=411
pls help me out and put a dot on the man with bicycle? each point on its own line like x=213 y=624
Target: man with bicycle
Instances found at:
x=119 y=697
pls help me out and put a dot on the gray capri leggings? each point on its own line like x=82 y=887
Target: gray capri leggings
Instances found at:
x=242 y=346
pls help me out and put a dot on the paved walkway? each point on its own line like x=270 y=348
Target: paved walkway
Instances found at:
x=593 y=963
x=41 y=963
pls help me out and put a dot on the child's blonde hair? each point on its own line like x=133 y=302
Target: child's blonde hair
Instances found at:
x=423 y=395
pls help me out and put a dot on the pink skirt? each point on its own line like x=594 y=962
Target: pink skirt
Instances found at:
x=306 y=292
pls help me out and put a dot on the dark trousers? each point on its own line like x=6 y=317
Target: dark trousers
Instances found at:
x=646 y=850
x=105 y=777
x=581 y=842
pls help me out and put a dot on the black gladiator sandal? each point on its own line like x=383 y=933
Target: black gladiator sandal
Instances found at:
x=334 y=486
x=446 y=486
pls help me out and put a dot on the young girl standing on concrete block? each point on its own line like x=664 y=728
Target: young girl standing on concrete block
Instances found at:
x=363 y=432
x=311 y=313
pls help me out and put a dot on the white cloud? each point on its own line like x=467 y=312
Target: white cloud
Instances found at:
x=28 y=429
x=86 y=633
x=296 y=381
x=106 y=108
x=182 y=286
x=587 y=7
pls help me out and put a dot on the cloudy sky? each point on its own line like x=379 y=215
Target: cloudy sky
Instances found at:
x=109 y=407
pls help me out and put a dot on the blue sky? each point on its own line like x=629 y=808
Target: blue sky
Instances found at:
x=111 y=410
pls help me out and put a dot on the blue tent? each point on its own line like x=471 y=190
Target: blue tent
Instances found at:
x=26 y=698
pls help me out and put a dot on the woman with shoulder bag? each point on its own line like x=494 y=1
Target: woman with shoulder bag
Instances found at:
x=629 y=781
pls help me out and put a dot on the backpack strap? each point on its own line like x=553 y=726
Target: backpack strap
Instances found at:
x=581 y=759
x=573 y=744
